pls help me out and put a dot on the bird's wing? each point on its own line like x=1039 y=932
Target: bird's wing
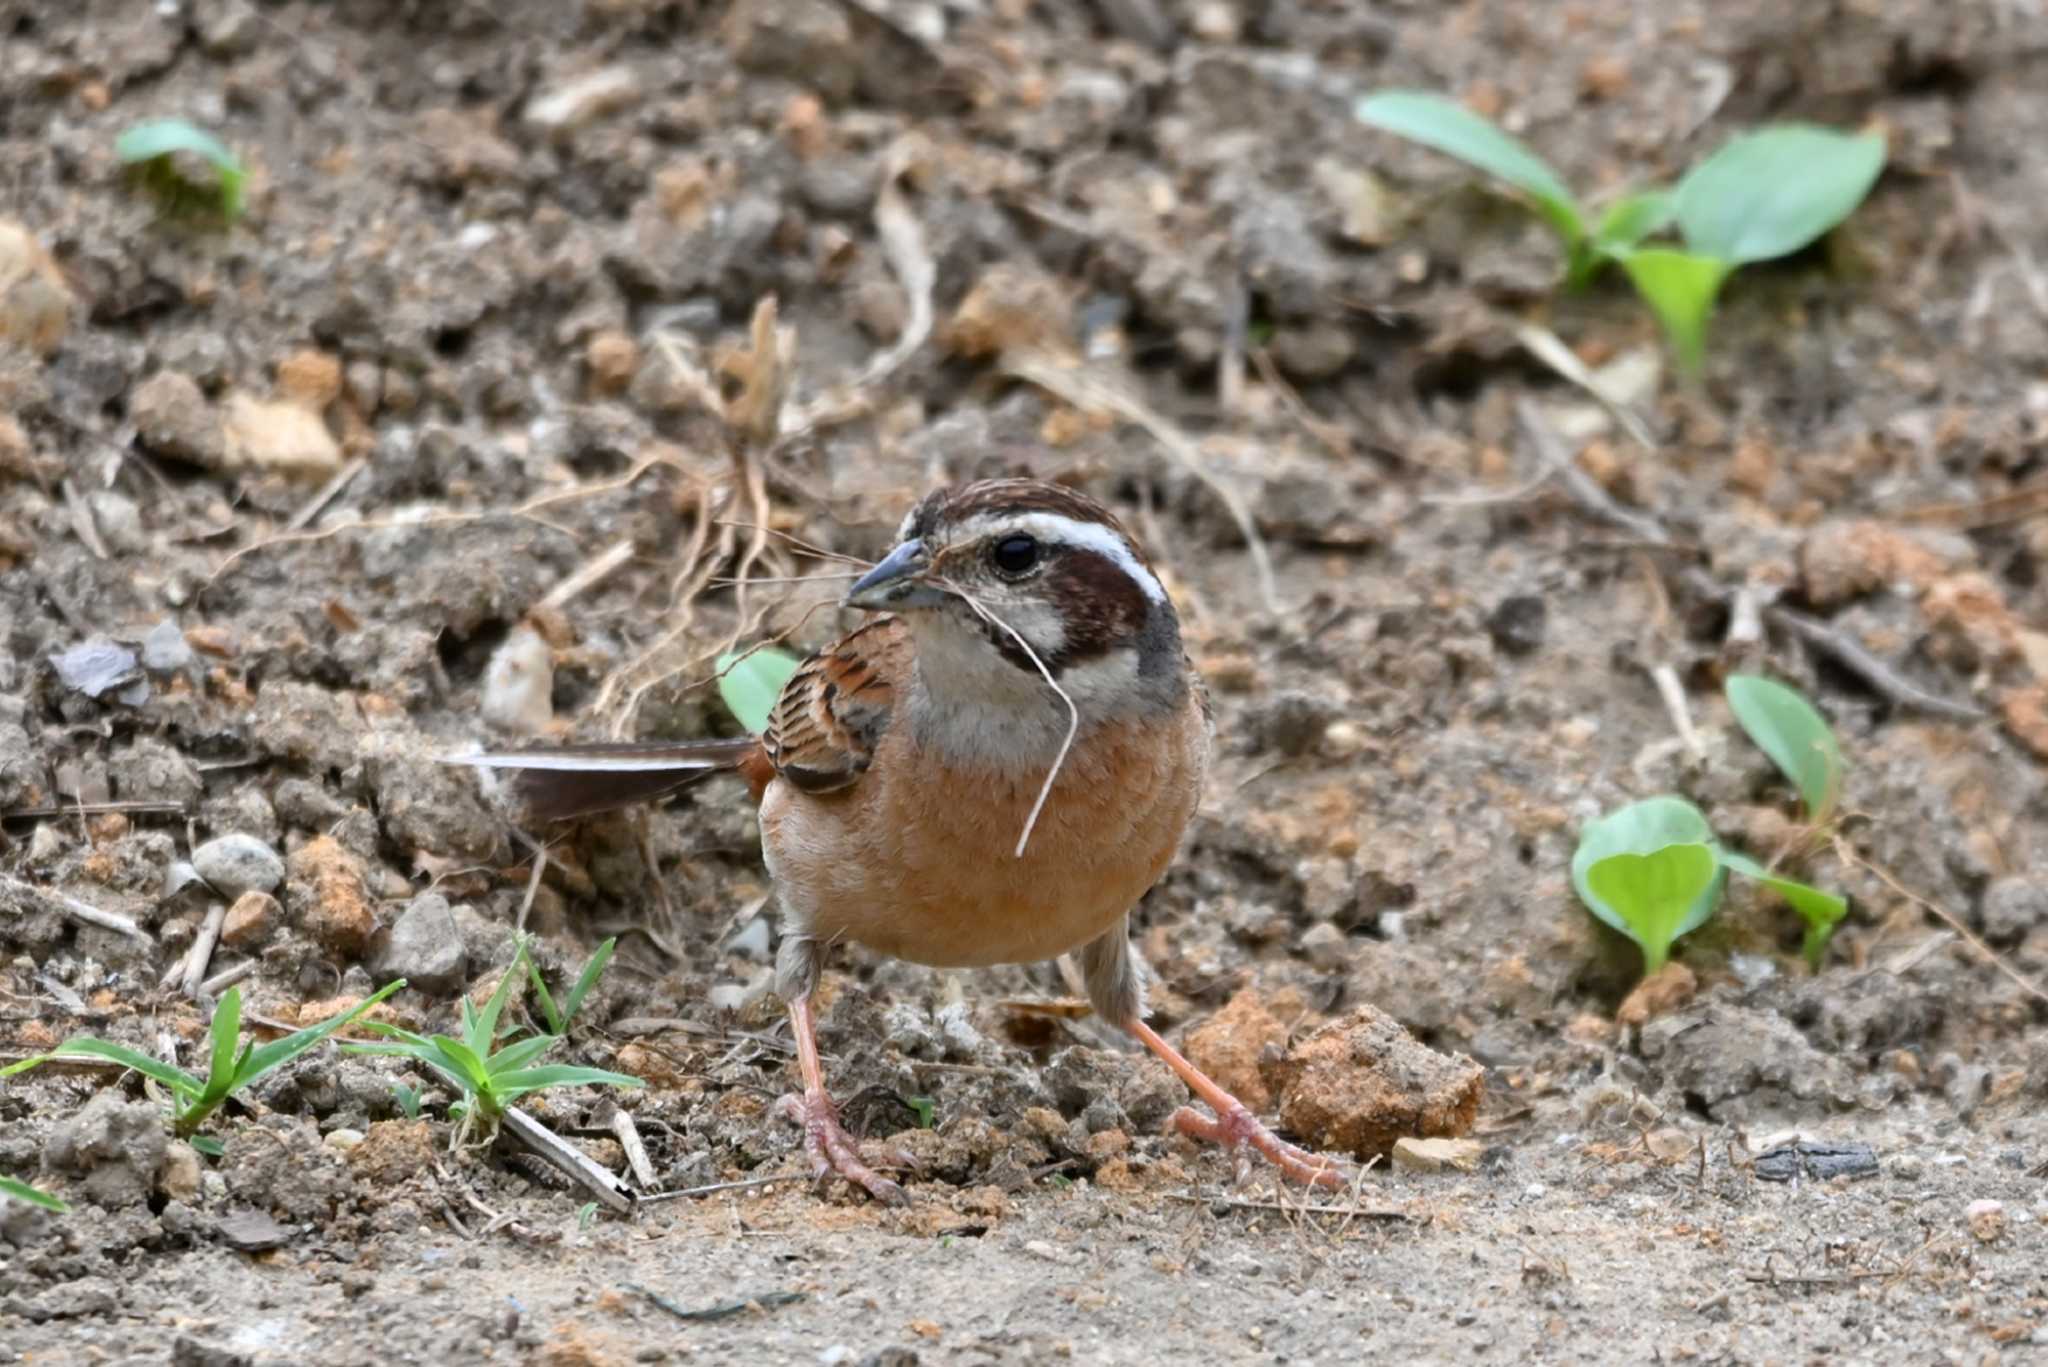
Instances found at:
x=823 y=731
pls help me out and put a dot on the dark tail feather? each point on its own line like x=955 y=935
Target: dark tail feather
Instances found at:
x=561 y=781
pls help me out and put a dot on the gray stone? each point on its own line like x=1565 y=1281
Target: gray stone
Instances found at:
x=2013 y=907
x=425 y=946
x=235 y=864
x=114 y=1145
x=172 y=418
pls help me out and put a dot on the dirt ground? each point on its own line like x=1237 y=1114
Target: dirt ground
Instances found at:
x=436 y=446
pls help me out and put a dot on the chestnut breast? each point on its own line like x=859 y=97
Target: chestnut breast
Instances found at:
x=918 y=859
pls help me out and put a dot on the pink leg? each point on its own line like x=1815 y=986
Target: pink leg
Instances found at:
x=831 y=1148
x=1236 y=1127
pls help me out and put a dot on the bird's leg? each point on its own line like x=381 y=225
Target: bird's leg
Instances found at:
x=1235 y=1126
x=1117 y=992
x=830 y=1147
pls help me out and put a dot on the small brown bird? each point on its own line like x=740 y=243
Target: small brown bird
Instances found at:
x=993 y=773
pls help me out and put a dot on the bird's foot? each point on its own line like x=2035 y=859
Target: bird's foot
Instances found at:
x=832 y=1150
x=1238 y=1130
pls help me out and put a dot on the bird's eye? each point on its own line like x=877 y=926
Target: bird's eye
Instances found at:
x=1014 y=554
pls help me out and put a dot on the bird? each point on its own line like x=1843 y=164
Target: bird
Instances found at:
x=994 y=769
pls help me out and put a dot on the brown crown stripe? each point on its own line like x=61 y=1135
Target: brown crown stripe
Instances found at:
x=999 y=496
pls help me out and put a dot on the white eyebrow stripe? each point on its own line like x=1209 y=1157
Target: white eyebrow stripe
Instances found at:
x=1059 y=529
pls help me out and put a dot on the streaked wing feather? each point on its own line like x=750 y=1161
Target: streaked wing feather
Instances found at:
x=822 y=733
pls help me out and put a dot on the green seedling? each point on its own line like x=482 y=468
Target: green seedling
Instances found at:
x=489 y=1073
x=1765 y=194
x=559 y=1017
x=924 y=1108
x=193 y=1099
x=1650 y=871
x=1787 y=727
x=152 y=146
x=408 y=1099
x=1654 y=870
x=751 y=681
x=22 y=1191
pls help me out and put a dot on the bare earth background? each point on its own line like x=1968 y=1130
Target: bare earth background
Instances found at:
x=498 y=271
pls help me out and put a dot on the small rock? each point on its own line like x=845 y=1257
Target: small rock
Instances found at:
x=1669 y=988
x=1987 y=1220
x=97 y=666
x=119 y=520
x=253 y=1231
x=327 y=896
x=251 y=920
x=426 y=946
x=172 y=418
x=1840 y=560
x=1517 y=624
x=613 y=357
x=1817 y=1160
x=1905 y=1167
x=1314 y=350
x=1229 y=1045
x=1669 y=1144
x=519 y=683
x=178 y=1178
x=278 y=436
x=310 y=378
x=1434 y=1155
x=342 y=1139
x=1361 y=1083
x=35 y=303
x=565 y=108
x=165 y=649
x=1325 y=945
x=235 y=864
x=116 y=1146
x=2013 y=907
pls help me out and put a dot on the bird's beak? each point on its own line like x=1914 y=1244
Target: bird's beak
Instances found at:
x=894 y=585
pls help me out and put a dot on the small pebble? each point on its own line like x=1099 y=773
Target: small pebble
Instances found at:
x=1987 y=1220
x=235 y=864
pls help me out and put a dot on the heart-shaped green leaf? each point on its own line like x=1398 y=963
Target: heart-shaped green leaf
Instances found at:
x=1645 y=829
x=1768 y=193
x=1680 y=288
x=1822 y=911
x=1443 y=124
x=750 y=683
x=1655 y=894
x=1793 y=733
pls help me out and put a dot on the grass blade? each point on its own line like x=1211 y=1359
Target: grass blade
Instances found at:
x=85 y=1046
x=481 y=1030
x=522 y=1081
x=22 y=1191
x=277 y=1053
x=586 y=980
x=513 y=1057
x=226 y=1032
